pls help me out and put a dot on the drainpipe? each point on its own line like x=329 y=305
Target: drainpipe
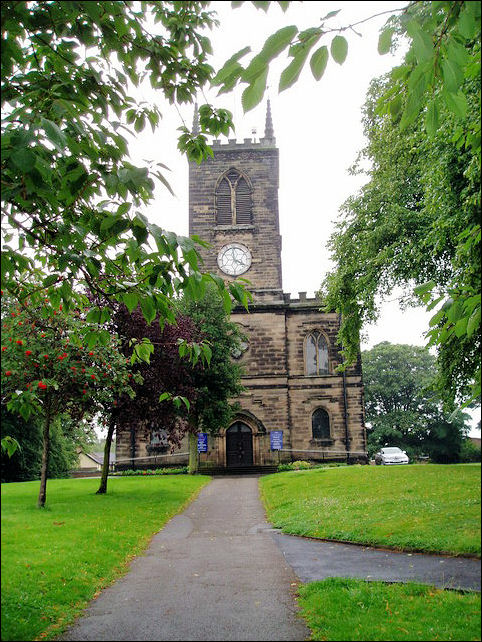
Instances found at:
x=347 y=439
x=345 y=409
x=288 y=387
x=133 y=446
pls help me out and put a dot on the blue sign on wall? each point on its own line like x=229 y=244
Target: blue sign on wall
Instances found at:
x=202 y=442
x=276 y=437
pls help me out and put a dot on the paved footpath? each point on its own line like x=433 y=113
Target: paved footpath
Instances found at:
x=316 y=560
x=213 y=573
x=219 y=572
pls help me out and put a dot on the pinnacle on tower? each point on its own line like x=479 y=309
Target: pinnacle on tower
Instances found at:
x=268 y=128
x=195 y=121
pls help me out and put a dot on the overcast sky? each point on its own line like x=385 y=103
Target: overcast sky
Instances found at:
x=318 y=132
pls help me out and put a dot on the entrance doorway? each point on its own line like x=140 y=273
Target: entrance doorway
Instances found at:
x=239 y=445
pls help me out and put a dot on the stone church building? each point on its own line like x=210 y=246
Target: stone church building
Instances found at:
x=290 y=356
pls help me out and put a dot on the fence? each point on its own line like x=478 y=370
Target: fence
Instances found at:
x=323 y=455
x=170 y=460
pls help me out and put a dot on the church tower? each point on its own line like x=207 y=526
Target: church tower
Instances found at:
x=233 y=205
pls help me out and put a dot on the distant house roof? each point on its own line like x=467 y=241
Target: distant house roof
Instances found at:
x=98 y=458
x=476 y=441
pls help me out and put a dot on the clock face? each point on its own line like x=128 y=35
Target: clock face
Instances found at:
x=234 y=259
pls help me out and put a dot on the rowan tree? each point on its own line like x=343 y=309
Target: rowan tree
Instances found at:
x=46 y=372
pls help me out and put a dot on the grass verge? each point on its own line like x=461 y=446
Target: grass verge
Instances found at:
x=55 y=560
x=379 y=611
x=432 y=508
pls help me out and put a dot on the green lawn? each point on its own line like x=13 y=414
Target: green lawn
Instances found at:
x=379 y=611
x=418 y=507
x=56 y=559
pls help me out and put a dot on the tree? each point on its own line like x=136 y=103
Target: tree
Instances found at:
x=46 y=372
x=69 y=192
x=25 y=464
x=199 y=384
x=164 y=387
x=218 y=382
x=403 y=407
x=417 y=221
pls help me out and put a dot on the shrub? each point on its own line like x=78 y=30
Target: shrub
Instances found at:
x=469 y=452
x=157 y=471
x=294 y=465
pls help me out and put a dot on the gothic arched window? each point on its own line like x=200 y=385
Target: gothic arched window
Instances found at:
x=233 y=199
x=320 y=424
x=316 y=354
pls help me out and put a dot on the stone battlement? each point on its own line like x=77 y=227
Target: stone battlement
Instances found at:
x=247 y=143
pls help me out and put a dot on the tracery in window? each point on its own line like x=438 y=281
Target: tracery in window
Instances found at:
x=233 y=199
x=320 y=424
x=316 y=354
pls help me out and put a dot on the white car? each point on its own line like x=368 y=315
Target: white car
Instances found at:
x=391 y=455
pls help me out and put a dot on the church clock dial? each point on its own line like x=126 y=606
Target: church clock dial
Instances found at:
x=234 y=259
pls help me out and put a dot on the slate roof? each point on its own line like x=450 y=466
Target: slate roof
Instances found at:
x=99 y=457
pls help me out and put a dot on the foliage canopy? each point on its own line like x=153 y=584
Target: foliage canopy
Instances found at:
x=404 y=409
x=70 y=193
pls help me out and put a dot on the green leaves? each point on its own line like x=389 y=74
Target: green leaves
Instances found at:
x=421 y=41
x=230 y=72
x=339 y=49
x=257 y=71
x=24 y=159
x=318 y=62
x=215 y=121
x=54 y=134
x=130 y=300
x=452 y=75
x=432 y=118
x=148 y=309
x=9 y=445
x=61 y=146
x=291 y=74
x=142 y=350
x=98 y=316
x=177 y=400
x=385 y=41
x=414 y=220
x=278 y=42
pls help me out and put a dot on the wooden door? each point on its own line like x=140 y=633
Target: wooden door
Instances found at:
x=239 y=445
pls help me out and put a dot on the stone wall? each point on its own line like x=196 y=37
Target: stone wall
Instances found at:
x=282 y=396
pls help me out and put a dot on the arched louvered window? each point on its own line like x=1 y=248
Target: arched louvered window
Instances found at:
x=316 y=354
x=243 y=202
x=223 y=203
x=233 y=199
x=320 y=424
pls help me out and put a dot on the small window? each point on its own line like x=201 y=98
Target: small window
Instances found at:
x=320 y=424
x=316 y=354
x=233 y=199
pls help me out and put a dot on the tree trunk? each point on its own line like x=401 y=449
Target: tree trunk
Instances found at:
x=193 y=454
x=105 y=466
x=45 y=460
